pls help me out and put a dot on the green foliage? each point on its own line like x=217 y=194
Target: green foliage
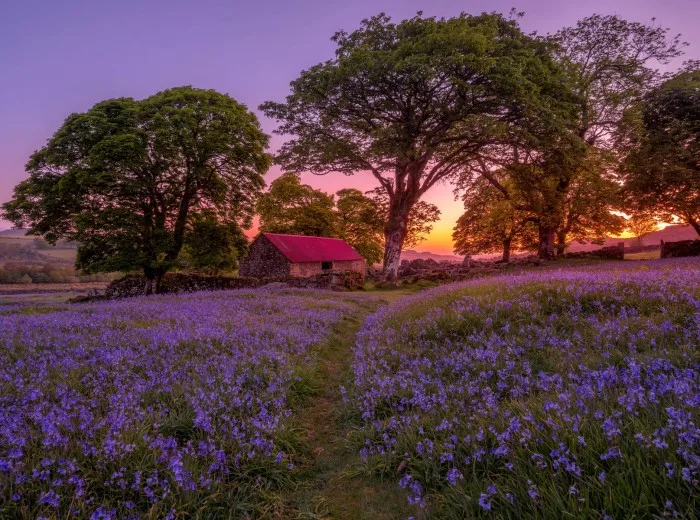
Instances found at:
x=662 y=172
x=124 y=178
x=362 y=223
x=492 y=222
x=412 y=102
x=296 y=209
x=611 y=63
x=211 y=247
x=588 y=210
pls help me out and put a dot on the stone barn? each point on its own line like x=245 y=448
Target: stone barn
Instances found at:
x=273 y=254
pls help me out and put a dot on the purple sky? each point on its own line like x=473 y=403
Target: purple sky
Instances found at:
x=62 y=56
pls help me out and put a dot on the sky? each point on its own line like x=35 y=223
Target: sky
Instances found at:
x=62 y=56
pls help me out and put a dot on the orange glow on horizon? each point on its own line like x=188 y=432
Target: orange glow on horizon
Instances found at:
x=438 y=241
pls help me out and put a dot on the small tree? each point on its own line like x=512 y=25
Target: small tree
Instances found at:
x=361 y=222
x=662 y=172
x=211 y=247
x=296 y=209
x=640 y=225
x=588 y=211
x=491 y=223
x=125 y=178
x=612 y=63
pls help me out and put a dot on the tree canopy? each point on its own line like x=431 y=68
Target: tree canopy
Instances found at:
x=590 y=212
x=412 y=101
x=492 y=222
x=297 y=209
x=126 y=178
x=211 y=247
x=662 y=172
x=609 y=64
x=361 y=223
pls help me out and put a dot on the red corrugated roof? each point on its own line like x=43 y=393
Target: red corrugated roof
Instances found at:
x=298 y=248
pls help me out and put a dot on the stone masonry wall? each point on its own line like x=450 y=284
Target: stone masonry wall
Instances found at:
x=264 y=260
x=609 y=253
x=681 y=248
x=306 y=269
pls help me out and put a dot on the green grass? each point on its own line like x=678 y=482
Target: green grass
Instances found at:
x=644 y=255
x=331 y=482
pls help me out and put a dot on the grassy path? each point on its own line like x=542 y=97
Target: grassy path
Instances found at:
x=333 y=485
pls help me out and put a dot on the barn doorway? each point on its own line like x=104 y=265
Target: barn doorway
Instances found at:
x=326 y=265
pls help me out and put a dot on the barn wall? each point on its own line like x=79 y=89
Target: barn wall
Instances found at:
x=313 y=268
x=351 y=265
x=305 y=269
x=264 y=260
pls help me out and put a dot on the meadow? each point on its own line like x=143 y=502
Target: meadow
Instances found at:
x=550 y=393
x=561 y=394
x=153 y=406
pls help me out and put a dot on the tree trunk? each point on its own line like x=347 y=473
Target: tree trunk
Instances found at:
x=695 y=224
x=158 y=280
x=395 y=233
x=506 y=251
x=561 y=243
x=154 y=277
x=546 y=247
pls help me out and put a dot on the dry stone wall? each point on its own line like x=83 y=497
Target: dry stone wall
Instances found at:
x=681 y=248
x=608 y=253
x=133 y=285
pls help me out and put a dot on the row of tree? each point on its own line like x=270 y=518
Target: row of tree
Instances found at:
x=652 y=174
x=542 y=136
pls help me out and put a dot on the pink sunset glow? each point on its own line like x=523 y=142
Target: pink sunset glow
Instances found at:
x=62 y=57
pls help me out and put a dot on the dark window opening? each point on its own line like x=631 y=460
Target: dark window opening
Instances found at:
x=326 y=265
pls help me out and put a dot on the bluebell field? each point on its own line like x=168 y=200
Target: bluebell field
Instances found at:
x=550 y=394
x=151 y=405
x=572 y=393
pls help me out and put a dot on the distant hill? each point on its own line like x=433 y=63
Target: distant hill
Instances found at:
x=410 y=254
x=15 y=233
x=671 y=233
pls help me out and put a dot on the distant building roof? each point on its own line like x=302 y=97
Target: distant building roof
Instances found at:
x=298 y=248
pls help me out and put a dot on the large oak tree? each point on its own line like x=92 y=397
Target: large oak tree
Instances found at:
x=125 y=178
x=612 y=63
x=412 y=103
x=662 y=173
